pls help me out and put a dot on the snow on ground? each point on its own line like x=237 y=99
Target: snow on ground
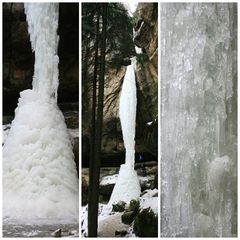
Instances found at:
x=110 y=221
x=108 y=180
x=148 y=201
x=39 y=230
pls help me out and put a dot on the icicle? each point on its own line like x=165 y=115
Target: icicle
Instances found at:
x=127 y=186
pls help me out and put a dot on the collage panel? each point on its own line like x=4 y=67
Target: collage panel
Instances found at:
x=119 y=120
x=198 y=119
x=40 y=120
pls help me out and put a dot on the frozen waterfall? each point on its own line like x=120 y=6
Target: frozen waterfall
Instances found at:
x=199 y=119
x=127 y=186
x=39 y=172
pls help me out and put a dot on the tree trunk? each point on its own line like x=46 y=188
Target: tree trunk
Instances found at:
x=94 y=170
x=91 y=194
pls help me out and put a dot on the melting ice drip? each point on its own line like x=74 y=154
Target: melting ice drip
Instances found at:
x=198 y=120
x=39 y=172
x=127 y=186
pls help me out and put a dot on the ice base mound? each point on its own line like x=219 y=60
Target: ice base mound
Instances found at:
x=39 y=172
x=127 y=186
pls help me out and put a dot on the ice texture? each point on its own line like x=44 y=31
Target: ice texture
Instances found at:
x=127 y=186
x=42 y=26
x=199 y=119
x=39 y=172
x=127 y=114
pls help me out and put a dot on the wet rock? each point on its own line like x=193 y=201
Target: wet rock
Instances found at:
x=119 y=207
x=146 y=224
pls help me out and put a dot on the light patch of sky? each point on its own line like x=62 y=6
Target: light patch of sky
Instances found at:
x=131 y=6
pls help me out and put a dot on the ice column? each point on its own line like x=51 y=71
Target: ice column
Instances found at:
x=127 y=186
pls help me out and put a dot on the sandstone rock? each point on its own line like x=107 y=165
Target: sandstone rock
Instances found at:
x=146 y=30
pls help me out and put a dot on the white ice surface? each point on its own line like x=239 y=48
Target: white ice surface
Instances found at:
x=39 y=172
x=127 y=186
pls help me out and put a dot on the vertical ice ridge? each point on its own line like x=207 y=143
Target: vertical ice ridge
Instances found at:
x=44 y=40
x=198 y=68
x=127 y=114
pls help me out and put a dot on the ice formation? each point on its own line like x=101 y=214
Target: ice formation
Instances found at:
x=127 y=186
x=199 y=119
x=39 y=172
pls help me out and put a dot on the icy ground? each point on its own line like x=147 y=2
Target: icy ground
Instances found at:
x=109 y=221
x=39 y=230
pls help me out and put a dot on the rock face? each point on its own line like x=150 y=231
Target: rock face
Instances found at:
x=146 y=38
x=112 y=141
x=18 y=58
